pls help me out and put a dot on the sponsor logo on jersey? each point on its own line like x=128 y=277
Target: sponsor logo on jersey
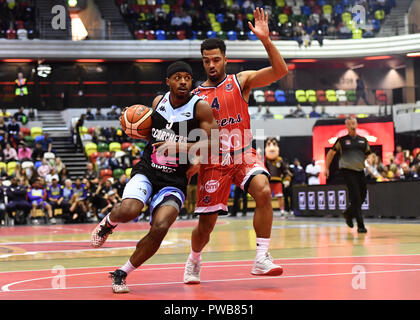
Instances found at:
x=211 y=186
x=186 y=114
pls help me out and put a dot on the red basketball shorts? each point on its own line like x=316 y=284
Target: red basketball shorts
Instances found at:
x=276 y=189
x=215 y=180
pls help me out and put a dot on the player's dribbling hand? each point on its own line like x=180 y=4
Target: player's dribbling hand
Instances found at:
x=165 y=148
x=261 y=24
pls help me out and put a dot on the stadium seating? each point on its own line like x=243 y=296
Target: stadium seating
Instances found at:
x=331 y=96
x=301 y=96
x=280 y=96
x=90 y=148
x=36 y=131
x=103 y=146
x=115 y=146
x=311 y=96
x=341 y=95
x=380 y=96
x=320 y=95
x=269 y=96
x=259 y=96
x=351 y=95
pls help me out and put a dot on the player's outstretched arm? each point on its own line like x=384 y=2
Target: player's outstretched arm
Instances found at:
x=260 y=78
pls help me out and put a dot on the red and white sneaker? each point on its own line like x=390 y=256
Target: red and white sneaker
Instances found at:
x=264 y=266
x=118 y=281
x=101 y=233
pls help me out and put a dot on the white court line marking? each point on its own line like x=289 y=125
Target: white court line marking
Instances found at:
x=5 y=288
x=219 y=280
x=221 y=261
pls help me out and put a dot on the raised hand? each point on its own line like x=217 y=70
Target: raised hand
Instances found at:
x=261 y=24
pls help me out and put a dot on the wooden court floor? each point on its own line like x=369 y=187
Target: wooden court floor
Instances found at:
x=322 y=259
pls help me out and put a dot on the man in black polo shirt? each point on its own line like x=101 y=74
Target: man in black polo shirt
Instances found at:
x=352 y=150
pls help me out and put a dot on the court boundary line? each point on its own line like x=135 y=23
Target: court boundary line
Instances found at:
x=215 y=261
x=181 y=282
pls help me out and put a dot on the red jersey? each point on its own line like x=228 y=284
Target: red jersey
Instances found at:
x=231 y=113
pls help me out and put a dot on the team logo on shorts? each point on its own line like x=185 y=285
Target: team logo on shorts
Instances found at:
x=211 y=186
x=229 y=87
x=206 y=199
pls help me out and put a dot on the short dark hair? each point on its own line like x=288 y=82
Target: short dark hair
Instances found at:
x=213 y=43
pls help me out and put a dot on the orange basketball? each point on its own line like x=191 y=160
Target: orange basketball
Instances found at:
x=136 y=121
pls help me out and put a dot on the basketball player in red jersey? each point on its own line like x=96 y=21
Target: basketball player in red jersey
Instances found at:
x=238 y=162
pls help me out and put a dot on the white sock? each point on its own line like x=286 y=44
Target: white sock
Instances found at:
x=262 y=247
x=112 y=223
x=128 y=267
x=196 y=256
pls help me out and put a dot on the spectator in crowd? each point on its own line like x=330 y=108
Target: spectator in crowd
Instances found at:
x=17 y=202
x=90 y=173
x=52 y=175
x=63 y=175
x=89 y=115
x=38 y=153
x=37 y=197
x=399 y=155
x=120 y=184
x=113 y=114
x=313 y=113
x=24 y=152
x=407 y=173
x=291 y=114
x=3 y=130
x=360 y=91
x=59 y=164
x=268 y=114
x=312 y=173
x=368 y=29
x=299 y=176
x=78 y=207
x=20 y=116
x=111 y=201
x=47 y=143
x=324 y=113
x=44 y=168
x=55 y=195
x=2 y=204
x=31 y=114
x=67 y=200
x=13 y=130
x=99 y=115
x=99 y=197
x=299 y=113
x=10 y=153
x=113 y=162
x=78 y=139
x=257 y=115
x=371 y=168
